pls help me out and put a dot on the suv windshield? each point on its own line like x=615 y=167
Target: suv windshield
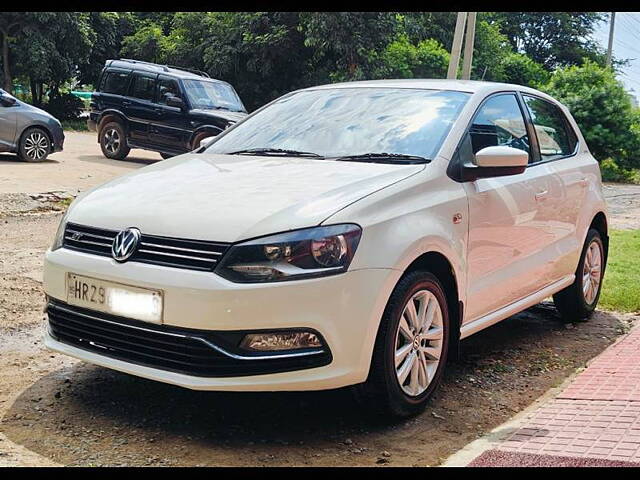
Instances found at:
x=213 y=95
x=339 y=122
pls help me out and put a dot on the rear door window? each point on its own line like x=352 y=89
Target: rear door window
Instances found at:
x=116 y=83
x=556 y=138
x=143 y=87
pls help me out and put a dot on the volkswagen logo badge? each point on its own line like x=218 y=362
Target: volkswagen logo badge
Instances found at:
x=125 y=244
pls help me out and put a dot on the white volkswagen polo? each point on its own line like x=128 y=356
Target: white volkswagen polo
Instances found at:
x=347 y=234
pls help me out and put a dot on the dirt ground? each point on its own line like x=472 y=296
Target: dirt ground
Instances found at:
x=57 y=410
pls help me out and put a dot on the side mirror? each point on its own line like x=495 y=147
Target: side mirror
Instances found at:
x=175 y=102
x=7 y=100
x=501 y=157
x=205 y=141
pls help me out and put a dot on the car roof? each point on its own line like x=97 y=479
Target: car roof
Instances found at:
x=469 y=86
x=178 y=72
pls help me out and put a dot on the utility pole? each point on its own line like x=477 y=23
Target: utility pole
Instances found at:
x=613 y=22
x=468 y=46
x=452 y=73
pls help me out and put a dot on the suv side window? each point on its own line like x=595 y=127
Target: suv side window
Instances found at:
x=499 y=122
x=167 y=87
x=116 y=83
x=555 y=136
x=143 y=87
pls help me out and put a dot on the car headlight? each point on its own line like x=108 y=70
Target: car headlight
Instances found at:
x=306 y=253
x=59 y=238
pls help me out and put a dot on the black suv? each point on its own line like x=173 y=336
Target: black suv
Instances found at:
x=157 y=107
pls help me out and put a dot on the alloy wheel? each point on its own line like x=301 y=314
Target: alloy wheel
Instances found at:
x=592 y=272
x=418 y=343
x=36 y=146
x=112 y=140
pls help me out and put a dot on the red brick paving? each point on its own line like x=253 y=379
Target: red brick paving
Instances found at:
x=497 y=458
x=595 y=418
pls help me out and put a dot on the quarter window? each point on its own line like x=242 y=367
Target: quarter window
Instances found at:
x=555 y=136
x=499 y=122
x=143 y=87
x=116 y=83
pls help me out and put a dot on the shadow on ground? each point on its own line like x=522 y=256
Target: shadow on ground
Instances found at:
x=90 y=415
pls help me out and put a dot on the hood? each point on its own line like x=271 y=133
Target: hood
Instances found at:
x=225 y=114
x=228 y=198
x=28 y=107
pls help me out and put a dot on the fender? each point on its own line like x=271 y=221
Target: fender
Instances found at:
x=205 y=128
x=113 y=112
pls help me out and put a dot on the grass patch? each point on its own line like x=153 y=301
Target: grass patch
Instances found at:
x=621 y=287
x=79 y=125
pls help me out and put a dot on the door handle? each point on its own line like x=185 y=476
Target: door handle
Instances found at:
x=125 y=103
x=584 y=182
x=541 y=195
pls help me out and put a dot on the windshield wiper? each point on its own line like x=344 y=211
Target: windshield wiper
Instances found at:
x=275 y=151
x=383 y=157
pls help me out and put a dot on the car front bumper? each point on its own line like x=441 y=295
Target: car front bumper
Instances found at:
x=344 y=309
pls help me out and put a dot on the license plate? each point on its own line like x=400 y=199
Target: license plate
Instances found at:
x=115 y=298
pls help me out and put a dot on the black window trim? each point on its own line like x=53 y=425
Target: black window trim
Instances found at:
x=531 y=126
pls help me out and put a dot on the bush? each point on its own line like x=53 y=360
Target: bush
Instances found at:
x=611 y=172
x=603 y=110
x=64 y=106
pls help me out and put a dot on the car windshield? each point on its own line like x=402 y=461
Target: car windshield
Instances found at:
x=213 y=95
x=340 y=122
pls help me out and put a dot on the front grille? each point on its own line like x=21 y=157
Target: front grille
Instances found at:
x=153 y=249
x=202 y=353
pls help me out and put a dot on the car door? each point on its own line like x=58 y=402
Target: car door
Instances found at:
x=508 y=240
x=139 y=106
x=170 y=128
x=568 y=180
x=8 y=125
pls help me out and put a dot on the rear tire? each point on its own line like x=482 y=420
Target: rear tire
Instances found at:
x=35 y=145
x=578 y=301
x=396 y=387
x=113 y=141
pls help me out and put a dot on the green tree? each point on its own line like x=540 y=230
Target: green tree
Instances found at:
x=49 y=48
x=149 y=43
x=10 y=24
x=110 y=28
x=602 y=108
x=551 y=38
x=403 y=59
x=347 y=39
x=520 y=69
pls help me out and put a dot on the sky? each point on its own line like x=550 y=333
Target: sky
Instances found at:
x=626 y=45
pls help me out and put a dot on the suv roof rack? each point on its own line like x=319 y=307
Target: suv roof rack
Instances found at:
x=163 y=67
x=192 y=70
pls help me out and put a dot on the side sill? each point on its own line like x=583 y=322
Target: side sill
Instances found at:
x=481 y=323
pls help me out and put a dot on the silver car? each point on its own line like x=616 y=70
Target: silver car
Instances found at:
x=28 y=131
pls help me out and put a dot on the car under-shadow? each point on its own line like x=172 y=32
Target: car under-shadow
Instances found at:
x=91 y=415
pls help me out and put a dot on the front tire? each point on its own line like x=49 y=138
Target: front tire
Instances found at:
x=410 y=350
x=34 y=146
x=578 y=301
x=113 y=141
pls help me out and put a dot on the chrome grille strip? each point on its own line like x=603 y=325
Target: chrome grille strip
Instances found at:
x=154 y=252
x=88 y=242
x=93 y=235
x=182 y=249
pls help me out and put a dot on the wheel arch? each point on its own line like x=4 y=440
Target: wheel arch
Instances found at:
x=440 y=266
x=111 y=115
x=204 y=129
x=600 y=224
